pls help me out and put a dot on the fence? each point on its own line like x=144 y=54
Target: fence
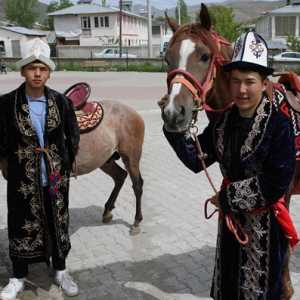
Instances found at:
x=111 y=64
x=103 y=64
x=73 y=51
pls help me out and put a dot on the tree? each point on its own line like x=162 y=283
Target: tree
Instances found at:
x=21 y=12
x=223 y=21
x=54 y=6
x=181 y=9
x=293 y=43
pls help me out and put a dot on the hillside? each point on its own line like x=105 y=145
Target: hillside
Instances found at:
x=244 y=10
x=41 y=9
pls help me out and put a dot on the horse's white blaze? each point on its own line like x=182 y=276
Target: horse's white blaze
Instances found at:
x=187 y=47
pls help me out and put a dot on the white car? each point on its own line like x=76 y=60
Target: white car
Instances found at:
x=287 y=56
x=113 y=53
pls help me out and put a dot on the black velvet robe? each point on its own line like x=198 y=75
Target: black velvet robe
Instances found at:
x=258 y=157
x=27 y=228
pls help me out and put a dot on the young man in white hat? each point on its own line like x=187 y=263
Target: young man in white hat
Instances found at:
x=254 y=146
x=39 y=138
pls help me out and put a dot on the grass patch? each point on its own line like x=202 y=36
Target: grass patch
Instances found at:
x=69 y=67
x=146 y=67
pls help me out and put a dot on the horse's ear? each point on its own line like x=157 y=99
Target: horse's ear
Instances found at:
x=171 y=22
x=204 y=17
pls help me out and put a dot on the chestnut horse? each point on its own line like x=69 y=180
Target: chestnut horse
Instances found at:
x=196 y=54
x=120 y=134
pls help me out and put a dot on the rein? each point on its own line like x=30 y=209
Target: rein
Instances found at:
x=232 y=223
x=199 y=91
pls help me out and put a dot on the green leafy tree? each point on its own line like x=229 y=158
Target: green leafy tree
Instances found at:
x=293 y=43
x=181 y=9
x=54 y=6
x=21 y=12
x=223 y=21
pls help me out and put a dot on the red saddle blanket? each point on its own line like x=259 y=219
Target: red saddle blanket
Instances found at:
x=89 y=117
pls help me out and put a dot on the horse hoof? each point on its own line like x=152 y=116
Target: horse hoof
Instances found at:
x=135 y=230
x=107 y=217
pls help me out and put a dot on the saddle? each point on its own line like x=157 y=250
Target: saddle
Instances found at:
x=291 y=83
x=285 y=95
x=88 y=114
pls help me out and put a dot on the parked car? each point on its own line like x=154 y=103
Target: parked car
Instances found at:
x=287 y=56
x=113 y=53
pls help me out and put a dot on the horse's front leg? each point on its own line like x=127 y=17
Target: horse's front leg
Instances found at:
x=132 y=166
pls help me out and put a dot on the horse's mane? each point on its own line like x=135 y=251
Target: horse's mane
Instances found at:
x=196 y=32
x=217 y=97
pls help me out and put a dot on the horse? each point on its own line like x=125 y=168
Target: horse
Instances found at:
x=119 y=135
x=196 y=53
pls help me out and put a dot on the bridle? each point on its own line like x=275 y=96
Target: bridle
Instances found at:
x=199 y=89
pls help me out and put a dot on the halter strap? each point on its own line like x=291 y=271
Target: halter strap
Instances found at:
x=197 y=89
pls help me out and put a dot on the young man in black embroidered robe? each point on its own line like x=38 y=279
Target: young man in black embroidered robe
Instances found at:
x=39 y=138
x=254 y=146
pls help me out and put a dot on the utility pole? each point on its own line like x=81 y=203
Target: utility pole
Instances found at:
x=179 y=11
x=149 y=29
x=121 y=21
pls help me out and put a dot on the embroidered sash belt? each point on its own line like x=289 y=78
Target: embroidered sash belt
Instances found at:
x=282 y=216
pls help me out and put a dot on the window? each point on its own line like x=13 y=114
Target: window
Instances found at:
x=96 y=20
x=285 y=26
x=156 y=30
x=289 y=54
x=101 y=22
x=2 y=48
x=106 y=20
x=85 y=22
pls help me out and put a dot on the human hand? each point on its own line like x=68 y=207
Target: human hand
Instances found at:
x=215 y=200
x=163 y=101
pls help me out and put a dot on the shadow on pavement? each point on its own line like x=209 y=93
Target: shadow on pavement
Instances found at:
x=90 y=216
x=166 y=277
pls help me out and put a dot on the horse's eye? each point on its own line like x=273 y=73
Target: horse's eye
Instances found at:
x=205 y=57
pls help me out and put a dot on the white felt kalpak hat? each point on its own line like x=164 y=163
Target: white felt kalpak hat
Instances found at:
x=250 y=52
x=36 y=49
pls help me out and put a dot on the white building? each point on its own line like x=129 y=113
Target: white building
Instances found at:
x=93 y=25
x=12 y=39
x=276 y=25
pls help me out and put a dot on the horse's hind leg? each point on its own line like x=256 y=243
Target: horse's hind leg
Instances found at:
x=132 y=166
x=118 y=175
x=287 y=286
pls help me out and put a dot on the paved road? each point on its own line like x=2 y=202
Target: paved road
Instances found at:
x=173 y=256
